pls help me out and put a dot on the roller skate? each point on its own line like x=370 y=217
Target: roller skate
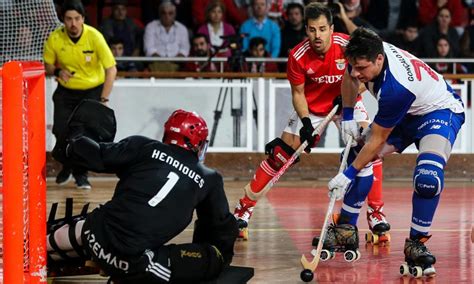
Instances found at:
x=339 y=238
x=378 y=226
x=243 y=212
x=418 y=259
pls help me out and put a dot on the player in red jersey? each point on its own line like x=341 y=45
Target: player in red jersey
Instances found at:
x=315 y=70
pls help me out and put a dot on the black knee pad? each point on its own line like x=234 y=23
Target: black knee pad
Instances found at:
x=278 y=153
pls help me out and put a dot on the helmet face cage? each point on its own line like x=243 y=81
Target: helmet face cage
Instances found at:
x=187 y=130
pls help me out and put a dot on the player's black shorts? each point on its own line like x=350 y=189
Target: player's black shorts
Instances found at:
x=150 y=265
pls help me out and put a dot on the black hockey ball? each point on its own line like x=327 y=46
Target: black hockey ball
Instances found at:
x=306 y=275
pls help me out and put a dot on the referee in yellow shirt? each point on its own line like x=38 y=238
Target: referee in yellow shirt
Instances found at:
x=79 y=57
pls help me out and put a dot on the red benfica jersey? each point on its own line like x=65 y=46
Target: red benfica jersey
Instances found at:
x=321 y=75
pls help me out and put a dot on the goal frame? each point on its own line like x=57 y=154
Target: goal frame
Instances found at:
x=18 y=78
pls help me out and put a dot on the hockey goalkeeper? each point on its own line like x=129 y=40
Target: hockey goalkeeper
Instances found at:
x=160 y=186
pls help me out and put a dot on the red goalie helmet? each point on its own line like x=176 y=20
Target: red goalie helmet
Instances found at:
x=187 y=130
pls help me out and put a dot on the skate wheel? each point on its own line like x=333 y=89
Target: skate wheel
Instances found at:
x=350 y=255
x=384 y=239
x=375 y=250
x=368 y=237
x=416 y=271
x=358 y=255
x=429 y=272
x=375 y=239
x=404 y=271
x=389 y=238
x=306 y=275
x=325 y=255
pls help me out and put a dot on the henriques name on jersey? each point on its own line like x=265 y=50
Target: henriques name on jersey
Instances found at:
x=164 y=157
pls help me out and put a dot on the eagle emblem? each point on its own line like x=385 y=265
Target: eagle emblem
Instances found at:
x=340 y=64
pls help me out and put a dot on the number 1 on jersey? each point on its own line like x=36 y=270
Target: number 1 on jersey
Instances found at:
x=164 y=190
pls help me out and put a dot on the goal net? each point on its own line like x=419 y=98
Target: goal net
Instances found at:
x=22 y=183
x=25 y=26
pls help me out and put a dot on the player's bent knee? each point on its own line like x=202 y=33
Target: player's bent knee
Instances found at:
x=428 y=178
x=278 y=153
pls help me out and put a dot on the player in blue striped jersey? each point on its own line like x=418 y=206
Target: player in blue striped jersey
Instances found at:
x=415 y=105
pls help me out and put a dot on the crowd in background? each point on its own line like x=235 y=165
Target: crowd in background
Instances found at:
x=237 y=29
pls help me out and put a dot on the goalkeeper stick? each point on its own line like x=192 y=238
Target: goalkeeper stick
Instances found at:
x=314 y=263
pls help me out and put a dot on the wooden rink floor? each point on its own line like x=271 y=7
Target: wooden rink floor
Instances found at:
x=285 y=222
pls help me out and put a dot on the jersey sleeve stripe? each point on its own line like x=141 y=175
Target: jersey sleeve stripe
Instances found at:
x=302 y=53
x=301 y=49
x=340 y=38
x=340 y=41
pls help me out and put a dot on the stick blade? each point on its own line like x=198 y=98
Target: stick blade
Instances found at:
x=309 y=265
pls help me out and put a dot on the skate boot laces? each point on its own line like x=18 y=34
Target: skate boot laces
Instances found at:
x=376 y=216
x=243 y=211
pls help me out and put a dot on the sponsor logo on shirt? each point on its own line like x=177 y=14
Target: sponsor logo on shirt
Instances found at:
x=102 y=254
x=340 y=64
x=328 y=79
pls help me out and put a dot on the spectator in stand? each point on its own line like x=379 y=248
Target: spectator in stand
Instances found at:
x=166 y=37
x=233 y=14
x=467 y=41
x=120 y=26
x=279 y=8
x=183 y=12
x=118 y=49
x=200 y=48
x=408 y=12
x=443 y=50
x=294 y=31
x=215 y=28
x=257 y=50
x=429 y=35
x=429 y=9
x=407 y=39
x=261 y=26
x=377 y=12
x=347 y=17
x=381 y=14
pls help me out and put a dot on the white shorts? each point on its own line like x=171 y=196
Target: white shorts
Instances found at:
x=294 y=122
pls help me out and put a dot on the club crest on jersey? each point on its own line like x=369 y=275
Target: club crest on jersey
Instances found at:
x=340 y=64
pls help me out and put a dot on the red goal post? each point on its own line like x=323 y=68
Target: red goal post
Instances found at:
x=23 y=164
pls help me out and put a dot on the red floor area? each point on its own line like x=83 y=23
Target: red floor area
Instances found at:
x=301 y=212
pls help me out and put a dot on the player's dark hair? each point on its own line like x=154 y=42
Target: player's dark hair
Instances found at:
x=364 y=44
x=314 y=10
x=75 y=5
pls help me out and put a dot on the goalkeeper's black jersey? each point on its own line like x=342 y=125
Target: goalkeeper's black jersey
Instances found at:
x=160 y=186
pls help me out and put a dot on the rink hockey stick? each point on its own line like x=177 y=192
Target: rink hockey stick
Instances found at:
x=314 y=263
x=317 y=132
